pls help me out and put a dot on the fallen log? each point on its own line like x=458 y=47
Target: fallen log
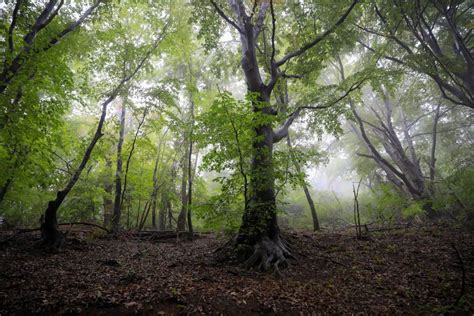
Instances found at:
x=29 y=230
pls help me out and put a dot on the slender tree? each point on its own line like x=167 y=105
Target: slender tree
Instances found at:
x=118 y=171
x=307 y=194
x=52 y=237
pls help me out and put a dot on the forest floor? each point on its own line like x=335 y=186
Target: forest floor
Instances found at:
x=417 y=270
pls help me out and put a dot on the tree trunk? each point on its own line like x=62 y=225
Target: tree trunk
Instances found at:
x=153 y=213
x=50 y=233
x=51 y=236
x=162 y=212
x=258 y=241
x=433 y=148
x=154 y=194
x=129 y=158
x=314 y=215
x=259 y=231
x=4 y=188
x=118 y=174
x=170 y=215
x=181 y=226
x=190 y=174
x=259 y=222
x=108 y=188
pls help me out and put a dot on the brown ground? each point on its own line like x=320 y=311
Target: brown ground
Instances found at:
x=404 y=271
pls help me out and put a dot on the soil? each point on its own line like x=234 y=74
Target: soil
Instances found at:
x=417 y=270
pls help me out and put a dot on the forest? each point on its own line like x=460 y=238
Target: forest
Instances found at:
x=236 y=157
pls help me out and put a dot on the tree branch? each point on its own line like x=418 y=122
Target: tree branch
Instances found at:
x=11 y=46
x=398 y=61
x=74 y=25
x=261 y=17
x=282 y=131
x=319 y=38
x=225 y=17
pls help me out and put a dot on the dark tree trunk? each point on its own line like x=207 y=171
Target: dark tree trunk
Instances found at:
x=162 y=212
x=129 y=158
x=181 y=225
x=51 y=236
x=154 y=194
x=108 y=188
x=169 y=209
x=433 y=148
x=259 y=218
x=4 y=188
x=153 y=213
x=190 y=174
x=118 y=174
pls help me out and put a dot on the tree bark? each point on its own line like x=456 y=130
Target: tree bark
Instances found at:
x=4 y=188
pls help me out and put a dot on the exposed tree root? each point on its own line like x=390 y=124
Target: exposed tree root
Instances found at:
x=267 y=254
x=52 y=239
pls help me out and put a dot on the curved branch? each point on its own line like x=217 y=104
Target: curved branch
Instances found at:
x=225 y=17
x=319 y=38
x=74 y=25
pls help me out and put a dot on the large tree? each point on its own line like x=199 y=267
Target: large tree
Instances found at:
x=259 y=240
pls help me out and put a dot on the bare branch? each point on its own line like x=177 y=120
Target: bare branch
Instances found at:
x=261 y=17
x=289 y=76
x=282 y=131
x=366 y=156
x=225 y=17
x=53 y=15
x=443 y=131
x=40 y=23
x=74 y=25
x=11 y=46
x=254 y=7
